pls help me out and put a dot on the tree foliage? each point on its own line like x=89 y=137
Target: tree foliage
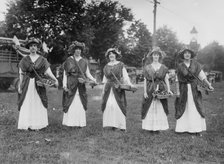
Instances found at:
x=212 y=57
x=100 y=24
x=168 y=42
x=107 y=20
x=139 y=41
x=58 y=22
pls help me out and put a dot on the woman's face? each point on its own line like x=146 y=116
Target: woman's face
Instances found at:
x=77 y=52
x=187 y=55
x=33 y=47
x=155 y=56
x=112 y=56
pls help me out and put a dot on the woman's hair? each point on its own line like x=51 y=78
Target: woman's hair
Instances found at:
x=115 y=51
x=76 y=45
x=150 y=57
x=182 y=52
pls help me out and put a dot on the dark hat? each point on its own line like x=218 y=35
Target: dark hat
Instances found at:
x=32 y=41
x=159 y=51
x=181 y=53
x=115 y=50
x=74 y=45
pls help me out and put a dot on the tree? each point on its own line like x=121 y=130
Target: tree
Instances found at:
x=2 y=28
x=168 y=42
x=212 y=57
x=50 y=20
x=58 y=22
x=107 y=19
x=139 y=40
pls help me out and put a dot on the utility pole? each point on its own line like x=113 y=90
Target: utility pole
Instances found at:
x=154 y=23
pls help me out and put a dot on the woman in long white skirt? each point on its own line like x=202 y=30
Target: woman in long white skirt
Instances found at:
x=32 y=98
x=114 y=100
x=190 y=113
x=74 y=96
x=154 y=110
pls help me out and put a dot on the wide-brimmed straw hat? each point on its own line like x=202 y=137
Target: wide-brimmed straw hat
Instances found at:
x=181 y=53
x=74 y=45
x=159 y=51
x=33 y=40
x=114 y=50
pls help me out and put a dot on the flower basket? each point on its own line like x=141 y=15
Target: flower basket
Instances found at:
x=127 y=87
x=204 y=88
x=45 y=82
x=161 y=94
x=87 y=81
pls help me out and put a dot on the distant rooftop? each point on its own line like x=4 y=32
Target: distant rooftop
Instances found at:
x=194 y=31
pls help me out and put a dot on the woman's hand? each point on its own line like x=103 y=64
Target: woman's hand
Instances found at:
x=210 y=87
x=132 y=85
x=19 y=90
x=19 y=87
x=65 y=88
x=145 y=95
x=81 y=80
x=56 y=83
x=170 y=92
x=95 y=81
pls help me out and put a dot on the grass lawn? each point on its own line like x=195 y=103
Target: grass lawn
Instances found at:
x=93 y=144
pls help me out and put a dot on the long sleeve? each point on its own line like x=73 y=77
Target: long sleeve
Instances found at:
x=202 y=75
x=104 y=84
x=64 y=79
x=145 y=85
x=167 y=81
x=177 y=85
x=20 y=77
x=126 y=77
x=88 y=74
x=104 y=79
x=49 y=73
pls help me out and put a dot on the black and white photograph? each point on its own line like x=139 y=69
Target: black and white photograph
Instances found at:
x=111 y=82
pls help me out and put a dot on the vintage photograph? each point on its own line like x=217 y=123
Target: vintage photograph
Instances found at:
x=111 y=82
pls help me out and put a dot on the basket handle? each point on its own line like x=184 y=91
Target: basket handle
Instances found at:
x=82 y=73
x=198 y=80
x=115 y=77
x=38 y=76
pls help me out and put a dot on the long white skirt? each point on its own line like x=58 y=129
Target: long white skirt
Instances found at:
x=156 y=118
x=76 y=115
x=32 y=114
x=112 y=115
x=191 y=121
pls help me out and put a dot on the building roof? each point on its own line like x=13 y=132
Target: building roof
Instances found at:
x=4 y=40
x=194 y=31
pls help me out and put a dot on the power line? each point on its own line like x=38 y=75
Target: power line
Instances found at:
x=178 y=15
x=174 y=13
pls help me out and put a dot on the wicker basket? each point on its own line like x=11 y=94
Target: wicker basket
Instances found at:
x=161 y=96
x=46 y=82
x=204 y=88
x=127 y=87
x=87 y=81
x=91 y=83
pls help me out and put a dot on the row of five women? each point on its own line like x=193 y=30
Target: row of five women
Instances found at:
x=33 y=99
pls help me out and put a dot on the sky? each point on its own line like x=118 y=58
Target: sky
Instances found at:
x=179 y=15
